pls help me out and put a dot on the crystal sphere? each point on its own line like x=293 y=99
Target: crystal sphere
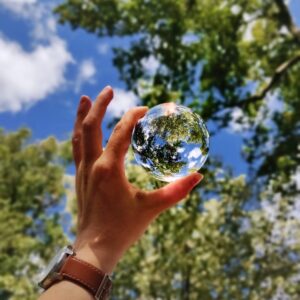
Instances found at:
x=170 y=141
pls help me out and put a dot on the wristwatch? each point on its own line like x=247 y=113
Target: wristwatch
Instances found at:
x=66 y=266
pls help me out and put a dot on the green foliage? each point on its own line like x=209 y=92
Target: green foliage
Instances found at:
x=234 y=44
x=234 y=238
x=30 y=188
x=210 y=247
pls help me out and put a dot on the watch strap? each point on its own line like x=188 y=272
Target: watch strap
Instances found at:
x=87 y=276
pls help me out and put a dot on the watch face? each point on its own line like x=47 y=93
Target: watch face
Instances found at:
x=51 y=271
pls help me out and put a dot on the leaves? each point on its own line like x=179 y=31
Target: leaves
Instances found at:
x=30 y=186
x=234 y=238
x=227 y=241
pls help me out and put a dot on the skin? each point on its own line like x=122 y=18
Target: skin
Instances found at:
x=112 y=213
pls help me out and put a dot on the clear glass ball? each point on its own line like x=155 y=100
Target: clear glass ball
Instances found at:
x=170 y=141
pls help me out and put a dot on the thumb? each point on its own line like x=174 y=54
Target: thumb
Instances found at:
x=170 y=194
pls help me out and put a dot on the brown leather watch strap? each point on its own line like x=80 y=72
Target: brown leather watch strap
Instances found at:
x=87 y=276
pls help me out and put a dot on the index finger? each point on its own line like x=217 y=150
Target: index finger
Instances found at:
x=92 y=133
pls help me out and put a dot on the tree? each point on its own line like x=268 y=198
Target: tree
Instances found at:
x=31 y=193
x=211 y=247
x=231 y=61
x=204 y=57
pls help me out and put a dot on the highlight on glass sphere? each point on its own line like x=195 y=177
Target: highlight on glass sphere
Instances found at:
x=170 y=141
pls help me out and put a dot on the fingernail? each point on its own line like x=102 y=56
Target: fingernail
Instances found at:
x=197 y=179
x=108 y=87
x=83 y=99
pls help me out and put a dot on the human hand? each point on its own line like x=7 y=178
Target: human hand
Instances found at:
x=112 y=213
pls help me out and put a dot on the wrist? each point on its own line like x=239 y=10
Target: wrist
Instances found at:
x=102 y=257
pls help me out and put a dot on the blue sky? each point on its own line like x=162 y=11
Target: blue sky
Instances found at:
x=45 y=67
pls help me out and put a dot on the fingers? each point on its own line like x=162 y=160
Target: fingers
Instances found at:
x=120 y=139
x=172 y=193
x=92 y=133
x=83 y=109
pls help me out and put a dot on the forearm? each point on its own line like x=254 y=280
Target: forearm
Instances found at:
x=103 y=259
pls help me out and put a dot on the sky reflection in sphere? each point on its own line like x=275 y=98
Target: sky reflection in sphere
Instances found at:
x=170 y=141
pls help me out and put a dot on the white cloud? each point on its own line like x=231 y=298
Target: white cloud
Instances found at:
x=43 y=29
x=39 y=14
x=19 y=7
x=195 y=153
x=192 y=164
x=150 y=64
x=238 y=122
x=103 y=48
x=28 y=77
x=180 y=150
x=122 y=102
x=87 y=71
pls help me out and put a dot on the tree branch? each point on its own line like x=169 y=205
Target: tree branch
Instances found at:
x=287 y=19
x=283 y=68
x=280 y=71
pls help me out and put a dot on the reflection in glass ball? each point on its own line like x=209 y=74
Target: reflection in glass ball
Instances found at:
x=170 y=141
